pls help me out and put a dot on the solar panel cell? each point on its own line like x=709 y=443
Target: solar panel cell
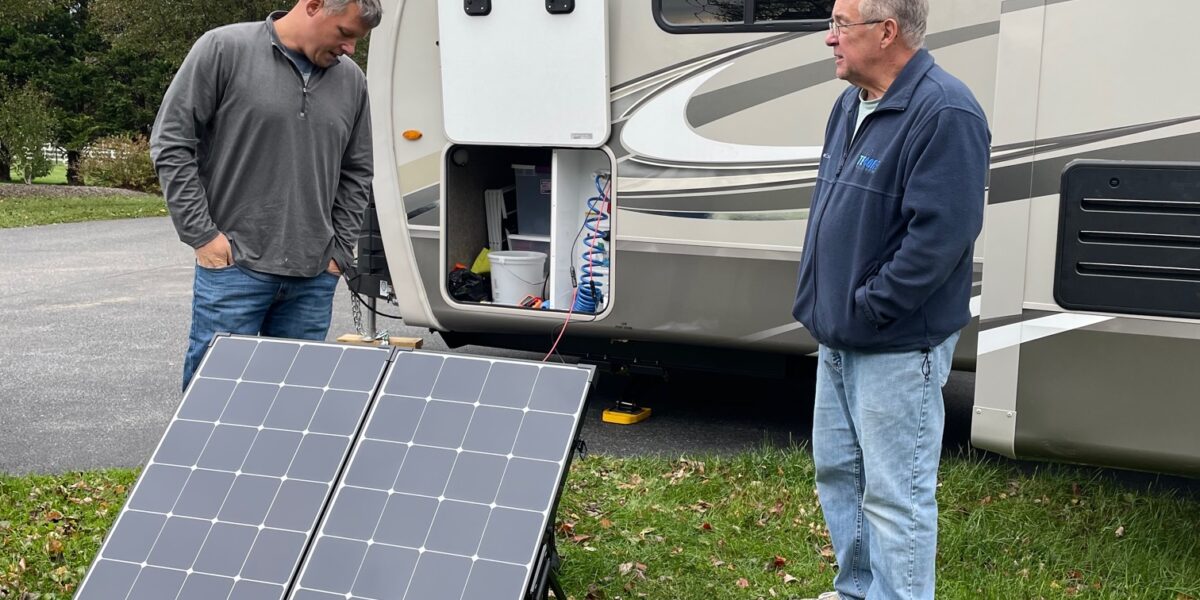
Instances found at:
x=155 y=583
x=457 y=528
x=476 y=477
x=439 y=577
x=199 y=586
x=226 y=549
x=493 y=430
x=333 y=564
x=487 y=577
x=444 y=424
x=355 y=513
x=511 y=535
x=249 y=500
x=461 y=379
x=133 y=536
x=179 y=542
x=509 y=385
x=204 y=494
x=376 y=465
x=161 y=485
x=272 y=452
x=297 y=505
x=406 y=520
x=249 y=403
x=271 y=362
x=385 y=572
x=274 y=556
x=396 y=418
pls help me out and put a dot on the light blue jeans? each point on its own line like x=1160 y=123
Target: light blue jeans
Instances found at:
x=877 y=441
x=236 y=300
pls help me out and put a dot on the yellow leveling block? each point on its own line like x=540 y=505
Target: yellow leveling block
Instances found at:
x=626 y=414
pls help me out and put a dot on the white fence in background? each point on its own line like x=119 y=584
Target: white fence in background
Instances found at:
x=54 y=153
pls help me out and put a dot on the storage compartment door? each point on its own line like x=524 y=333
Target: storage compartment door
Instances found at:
x=520 y=75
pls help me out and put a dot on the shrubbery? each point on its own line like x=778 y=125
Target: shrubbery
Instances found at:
x=121 y=162
x=26 y=124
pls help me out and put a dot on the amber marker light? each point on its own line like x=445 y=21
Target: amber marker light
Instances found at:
x=412 y=135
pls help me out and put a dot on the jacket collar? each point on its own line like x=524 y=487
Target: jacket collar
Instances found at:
x=901 y=91
x=269 y=24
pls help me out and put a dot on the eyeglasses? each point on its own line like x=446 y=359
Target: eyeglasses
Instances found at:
x=836 y=28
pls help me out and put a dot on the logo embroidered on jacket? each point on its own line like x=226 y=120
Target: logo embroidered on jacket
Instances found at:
x=868 y=163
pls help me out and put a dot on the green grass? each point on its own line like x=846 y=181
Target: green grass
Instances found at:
x=58 y=175
x=742 y=527
x=23 y=212
x=51 y=527
x=751 y=527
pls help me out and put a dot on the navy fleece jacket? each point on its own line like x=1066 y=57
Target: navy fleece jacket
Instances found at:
x=887 y=256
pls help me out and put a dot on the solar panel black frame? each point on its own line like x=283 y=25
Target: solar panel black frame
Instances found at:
x=131 y=557
x=361 y=532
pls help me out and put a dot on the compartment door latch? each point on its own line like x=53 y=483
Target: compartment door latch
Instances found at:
x=478 y=8
x=560 y=7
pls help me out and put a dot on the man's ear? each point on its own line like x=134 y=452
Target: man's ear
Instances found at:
x=891 y=32
x=312 y=7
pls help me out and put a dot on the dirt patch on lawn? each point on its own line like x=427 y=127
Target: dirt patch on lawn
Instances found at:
x=42 y=190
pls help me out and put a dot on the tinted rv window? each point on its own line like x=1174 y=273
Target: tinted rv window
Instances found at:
x=792 y=10
x=712 y=16
x=703 y=12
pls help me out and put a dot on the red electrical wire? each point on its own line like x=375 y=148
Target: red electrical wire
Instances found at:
x=575 y=294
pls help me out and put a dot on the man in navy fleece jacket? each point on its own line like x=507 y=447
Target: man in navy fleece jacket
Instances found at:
x=884 y=286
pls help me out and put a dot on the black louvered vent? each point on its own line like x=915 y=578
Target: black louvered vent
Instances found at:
x=1129 y=238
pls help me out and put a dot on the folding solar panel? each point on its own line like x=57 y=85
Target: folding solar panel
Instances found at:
x=452 y=484
x=422 y=476
x=227 y=504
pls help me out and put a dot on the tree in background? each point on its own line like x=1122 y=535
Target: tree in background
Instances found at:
x=26 y=126
x=168 y=29
x=95 y=90
x=107 y=63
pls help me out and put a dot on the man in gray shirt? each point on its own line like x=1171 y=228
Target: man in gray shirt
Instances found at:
x=263 y=148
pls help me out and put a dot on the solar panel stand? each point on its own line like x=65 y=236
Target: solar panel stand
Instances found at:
x=546 y=574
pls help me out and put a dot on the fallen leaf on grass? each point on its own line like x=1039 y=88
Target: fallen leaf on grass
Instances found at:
x=743 y=583
x=636 y=568
x=1120 y=532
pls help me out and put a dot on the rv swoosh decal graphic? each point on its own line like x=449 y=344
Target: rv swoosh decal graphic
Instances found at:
x=659 y=130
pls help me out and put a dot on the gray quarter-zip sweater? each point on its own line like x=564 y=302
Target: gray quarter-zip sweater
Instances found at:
x=243 y=146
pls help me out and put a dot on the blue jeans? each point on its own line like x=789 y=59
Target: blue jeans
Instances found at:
x=877 y=441
x=236 y=300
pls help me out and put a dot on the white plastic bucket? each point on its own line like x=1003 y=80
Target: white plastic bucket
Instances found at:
x=516 y=274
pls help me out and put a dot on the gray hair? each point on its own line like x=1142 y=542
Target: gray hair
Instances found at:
x=372 y=12
x=910 y=14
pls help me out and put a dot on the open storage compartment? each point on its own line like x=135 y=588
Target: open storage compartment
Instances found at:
x=520 y=203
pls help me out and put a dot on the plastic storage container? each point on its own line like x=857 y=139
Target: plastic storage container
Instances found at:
x=533 y=199
x=517 y=274
x=529 y=243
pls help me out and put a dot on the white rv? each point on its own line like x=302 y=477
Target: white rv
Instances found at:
x=683 y=137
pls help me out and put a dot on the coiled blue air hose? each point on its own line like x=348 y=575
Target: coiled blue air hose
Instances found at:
x=594 y=273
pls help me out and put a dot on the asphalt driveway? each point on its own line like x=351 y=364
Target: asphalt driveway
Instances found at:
x=93 y=325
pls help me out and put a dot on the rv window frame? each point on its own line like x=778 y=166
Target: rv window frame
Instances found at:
x=749 y=25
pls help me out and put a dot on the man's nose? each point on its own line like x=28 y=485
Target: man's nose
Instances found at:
x=348 y=48
x=830 y=39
